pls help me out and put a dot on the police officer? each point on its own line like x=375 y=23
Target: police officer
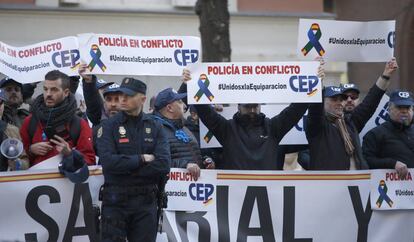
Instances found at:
x=135 y=158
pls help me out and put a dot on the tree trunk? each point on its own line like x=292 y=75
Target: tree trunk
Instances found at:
x=214 y=29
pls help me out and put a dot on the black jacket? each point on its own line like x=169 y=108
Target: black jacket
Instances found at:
x=94 y=103
x=326 y=147
x=122 y=141
x=249 y=146
x=388 y=143
x=181 y=152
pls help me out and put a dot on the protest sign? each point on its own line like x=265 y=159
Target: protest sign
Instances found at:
x=390 y=191
x=346 y=40
x=258 y=82
x=30 y=63
x=138 y=55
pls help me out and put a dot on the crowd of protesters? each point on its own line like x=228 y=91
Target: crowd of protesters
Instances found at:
x=250 y=140
x=137 y=149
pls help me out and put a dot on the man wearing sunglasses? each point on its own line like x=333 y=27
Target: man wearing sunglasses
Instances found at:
x=333 y=126
x=351 y=92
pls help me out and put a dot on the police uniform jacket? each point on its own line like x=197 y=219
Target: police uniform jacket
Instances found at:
x=121 y=143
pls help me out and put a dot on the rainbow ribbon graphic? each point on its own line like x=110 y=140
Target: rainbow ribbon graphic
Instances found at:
x=96 y=53
x=314 y=41
x=203 y=84
x=382 y=189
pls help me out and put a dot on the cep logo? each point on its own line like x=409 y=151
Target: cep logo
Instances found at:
x=201 y=192
x=349 y=85
x=404 y=94
x=66 y=58
x=304 y=84
x=184 y=56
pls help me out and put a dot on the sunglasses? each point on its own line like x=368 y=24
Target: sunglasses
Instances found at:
x=353 y=97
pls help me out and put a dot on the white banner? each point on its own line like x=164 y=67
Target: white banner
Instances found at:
x=259 y=82
x=250 y=206
x=41 y=205
x=296 y=136
x=30 y=63
x=138 y=55
x=390 y=191
x=346 y=40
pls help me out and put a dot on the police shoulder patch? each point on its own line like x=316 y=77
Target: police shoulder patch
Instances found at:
x=99 y=133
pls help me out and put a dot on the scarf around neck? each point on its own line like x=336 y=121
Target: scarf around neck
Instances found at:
x=340 y=123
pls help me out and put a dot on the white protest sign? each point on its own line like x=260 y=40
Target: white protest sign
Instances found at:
x=389 y=191
x=258 y=82
x=138 y=55
x=346 y=40
x=186 y=194
x=30 y=63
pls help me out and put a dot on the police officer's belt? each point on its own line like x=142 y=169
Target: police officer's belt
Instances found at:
x=132 y=190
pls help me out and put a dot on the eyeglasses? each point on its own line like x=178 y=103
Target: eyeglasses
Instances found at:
x=353 y=97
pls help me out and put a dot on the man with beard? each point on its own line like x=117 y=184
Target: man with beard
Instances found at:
x=12 y=113
x=331 y=130
x=53 y=127
x=10 y=131
x=184 y=148
x=391 y=145
x=135 y=157
x=351 y=92
x=250 y=139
